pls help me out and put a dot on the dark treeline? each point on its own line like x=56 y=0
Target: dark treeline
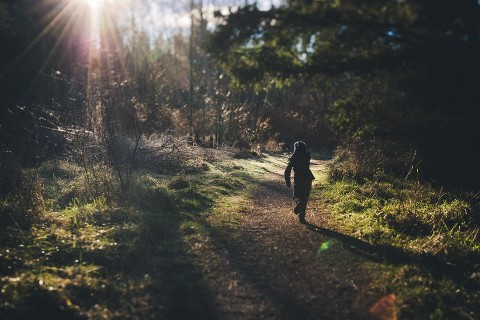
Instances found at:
x=402 y=76
x=393 y=81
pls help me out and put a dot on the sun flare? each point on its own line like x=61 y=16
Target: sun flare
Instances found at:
x=93 y=5
x=94 y=8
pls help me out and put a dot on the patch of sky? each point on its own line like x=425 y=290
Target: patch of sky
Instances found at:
x=311 y=43
x=305 y=49
x=342 y=29
x=162 y=19
x=393 y=33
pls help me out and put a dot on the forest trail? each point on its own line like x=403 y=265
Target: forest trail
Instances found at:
x=273 y=267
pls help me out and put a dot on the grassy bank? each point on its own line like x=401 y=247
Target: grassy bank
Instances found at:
x=427 y=236
x=89 y=250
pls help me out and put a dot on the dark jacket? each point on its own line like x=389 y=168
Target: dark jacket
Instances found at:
x=300 y=162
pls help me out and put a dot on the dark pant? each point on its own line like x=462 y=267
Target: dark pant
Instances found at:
x=301 y=192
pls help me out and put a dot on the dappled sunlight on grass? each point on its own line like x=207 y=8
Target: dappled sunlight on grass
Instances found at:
x=436 y=229
x=261 y=165
x=98 y=257
x=158 y=250
x=418 y=219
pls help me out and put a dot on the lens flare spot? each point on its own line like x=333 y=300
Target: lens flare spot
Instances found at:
x=323 y=247
x=385 y=308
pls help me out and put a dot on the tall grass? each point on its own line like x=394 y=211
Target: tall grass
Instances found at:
x=403 y=213
x=383 y=201
x=91 y=248
x=387 y=204
x=24 y=204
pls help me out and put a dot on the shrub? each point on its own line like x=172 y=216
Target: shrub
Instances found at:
x=65 y=181
x=24 y=204
x=374 y=159
x=148 y=192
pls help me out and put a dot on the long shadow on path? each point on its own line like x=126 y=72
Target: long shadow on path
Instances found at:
x=257 y=269
x=275 y=259
x=394 y=255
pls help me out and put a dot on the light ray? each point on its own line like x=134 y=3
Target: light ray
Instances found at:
x=68 y=30
x=57 y=18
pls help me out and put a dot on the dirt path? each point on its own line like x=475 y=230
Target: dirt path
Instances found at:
x=273 y=267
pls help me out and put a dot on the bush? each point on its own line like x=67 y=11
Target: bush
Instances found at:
x=148 y=192
x=24 y=204
x=360 y=160
x=65 y=181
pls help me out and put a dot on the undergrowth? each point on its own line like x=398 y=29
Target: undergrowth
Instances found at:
x=89 y=250
x=437 y=229
x=407 y=214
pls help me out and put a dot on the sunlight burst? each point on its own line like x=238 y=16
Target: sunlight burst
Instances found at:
x=93 y=4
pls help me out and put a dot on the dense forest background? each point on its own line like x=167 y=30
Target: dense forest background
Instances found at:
x=390 y=84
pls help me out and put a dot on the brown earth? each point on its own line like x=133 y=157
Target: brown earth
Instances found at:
x=270 y=266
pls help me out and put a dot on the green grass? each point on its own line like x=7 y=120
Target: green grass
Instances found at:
x=423 y=222
x=91 y=251
x=405 y=214
x=95 y=252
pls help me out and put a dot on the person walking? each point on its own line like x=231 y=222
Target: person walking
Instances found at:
x=303 y=177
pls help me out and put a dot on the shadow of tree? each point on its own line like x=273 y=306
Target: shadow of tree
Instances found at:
x=146 y=272
x=176 y=288
x=260 y=274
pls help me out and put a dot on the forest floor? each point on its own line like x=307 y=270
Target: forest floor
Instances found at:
x=273 y=267
x=219 y=243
